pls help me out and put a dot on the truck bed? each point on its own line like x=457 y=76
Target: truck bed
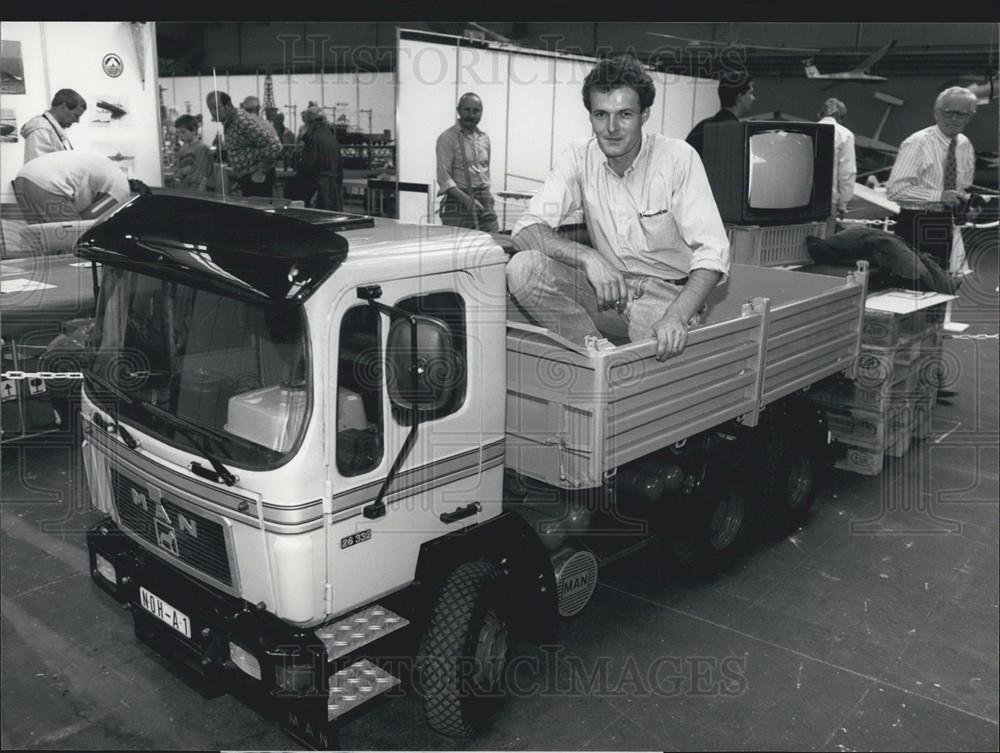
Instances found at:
x=573 y=416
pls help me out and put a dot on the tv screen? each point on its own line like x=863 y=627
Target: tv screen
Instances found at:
x=781 y=170
x=768 y=172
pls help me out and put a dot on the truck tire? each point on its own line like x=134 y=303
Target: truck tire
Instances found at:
x=712 y=529
x=464 y=650
x=792 y=460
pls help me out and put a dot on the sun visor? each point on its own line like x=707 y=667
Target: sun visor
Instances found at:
x=261 y=254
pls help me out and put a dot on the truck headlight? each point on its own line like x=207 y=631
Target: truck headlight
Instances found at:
x=106 y=570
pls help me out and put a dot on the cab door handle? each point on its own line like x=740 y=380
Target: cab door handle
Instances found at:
x=461 y=512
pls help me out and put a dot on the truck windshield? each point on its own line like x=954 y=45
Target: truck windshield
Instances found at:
x=234 y=371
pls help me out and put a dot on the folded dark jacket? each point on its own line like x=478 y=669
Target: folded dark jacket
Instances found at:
x=884 y=252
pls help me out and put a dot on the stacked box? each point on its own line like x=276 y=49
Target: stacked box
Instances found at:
x=774 y=245
x=889 y=403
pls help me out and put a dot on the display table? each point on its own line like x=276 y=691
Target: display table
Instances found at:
x=38 y=295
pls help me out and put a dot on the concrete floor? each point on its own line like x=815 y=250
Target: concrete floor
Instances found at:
x=875 y=627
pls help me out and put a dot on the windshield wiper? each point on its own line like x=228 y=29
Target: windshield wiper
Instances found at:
x=188 y=428
x=130 y=441
x=184 y=427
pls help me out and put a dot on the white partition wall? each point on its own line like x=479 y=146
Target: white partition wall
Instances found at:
x=570 y=119
x=532 y=108
x=529 y=124
x=706 y=98
x=425 y=105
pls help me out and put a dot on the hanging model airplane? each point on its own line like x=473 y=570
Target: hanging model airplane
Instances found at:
x=860 y=73
x=688 y=42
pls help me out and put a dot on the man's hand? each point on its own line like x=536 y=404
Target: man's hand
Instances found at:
x=953 y=198
x=671 y=336
x=608 y=282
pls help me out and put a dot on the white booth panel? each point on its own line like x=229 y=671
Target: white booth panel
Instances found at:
x=706 y=99
x=484 y=72
x=425 y=107
x=529 y=118
x=571 y=119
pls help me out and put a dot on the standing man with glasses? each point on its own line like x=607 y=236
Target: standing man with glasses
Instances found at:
x=932 y=173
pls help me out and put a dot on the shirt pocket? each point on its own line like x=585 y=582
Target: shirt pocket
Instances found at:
x=659 y=229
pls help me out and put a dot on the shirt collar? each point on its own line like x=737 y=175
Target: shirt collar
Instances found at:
x=643 y=149
x=939 y=135
x=460 y=132
x=55 y=124
x=828 y=119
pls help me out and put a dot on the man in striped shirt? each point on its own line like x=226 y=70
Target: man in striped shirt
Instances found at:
x=933 y=170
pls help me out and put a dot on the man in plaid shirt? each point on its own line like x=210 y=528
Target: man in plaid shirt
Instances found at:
x=251 y=145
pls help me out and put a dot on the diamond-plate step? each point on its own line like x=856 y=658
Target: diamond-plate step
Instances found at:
x=359 y=629
x=353 y=685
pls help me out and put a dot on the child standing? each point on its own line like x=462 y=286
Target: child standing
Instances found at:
x=194 y=158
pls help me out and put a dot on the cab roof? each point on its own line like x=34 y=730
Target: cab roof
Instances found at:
x=267 y=254
x=274 y=256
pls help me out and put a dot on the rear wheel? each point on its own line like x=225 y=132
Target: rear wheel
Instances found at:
x=712 y=529
x=792 y=460
x=464 y=650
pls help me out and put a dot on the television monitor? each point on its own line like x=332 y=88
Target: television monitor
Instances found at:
x=765 y=172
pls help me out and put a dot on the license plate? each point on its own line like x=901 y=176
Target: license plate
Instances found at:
x=165 y=612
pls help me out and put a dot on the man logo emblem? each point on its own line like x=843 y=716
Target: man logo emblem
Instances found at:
x=166 y=537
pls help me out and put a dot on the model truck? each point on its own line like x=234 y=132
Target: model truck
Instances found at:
x=322 y=440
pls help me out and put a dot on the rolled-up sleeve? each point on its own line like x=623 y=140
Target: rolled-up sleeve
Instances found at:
x=697 y=216
x=560 y=196
x=445 y=154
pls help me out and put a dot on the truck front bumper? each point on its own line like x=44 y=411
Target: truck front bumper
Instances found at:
x=218 y=642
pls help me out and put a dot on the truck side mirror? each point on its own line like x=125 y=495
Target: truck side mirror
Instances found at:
x=424 y=380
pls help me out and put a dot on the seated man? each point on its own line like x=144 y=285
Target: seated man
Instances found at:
x=659 y=243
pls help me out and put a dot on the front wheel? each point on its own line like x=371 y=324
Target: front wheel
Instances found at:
x=464 y=651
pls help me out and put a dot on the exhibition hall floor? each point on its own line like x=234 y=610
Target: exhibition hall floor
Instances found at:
x=874 y=627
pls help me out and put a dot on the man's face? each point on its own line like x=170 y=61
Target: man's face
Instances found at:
x=215 y=108
x=66 y=116
x=744 y=102
x=953 y=114
x=185 y=136
x=470 y=112
x=617 y=122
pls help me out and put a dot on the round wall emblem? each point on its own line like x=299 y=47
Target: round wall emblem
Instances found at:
x=112 y=65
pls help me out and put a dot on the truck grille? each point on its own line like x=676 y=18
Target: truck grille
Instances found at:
x=196 y=541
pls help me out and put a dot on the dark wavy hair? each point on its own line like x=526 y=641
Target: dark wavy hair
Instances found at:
x=731 y=86
x=618 y=73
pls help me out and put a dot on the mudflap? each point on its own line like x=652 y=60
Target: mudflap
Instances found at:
x=305 y=720
x=508 y=541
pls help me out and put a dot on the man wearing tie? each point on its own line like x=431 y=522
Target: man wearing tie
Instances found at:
x=931 y=175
